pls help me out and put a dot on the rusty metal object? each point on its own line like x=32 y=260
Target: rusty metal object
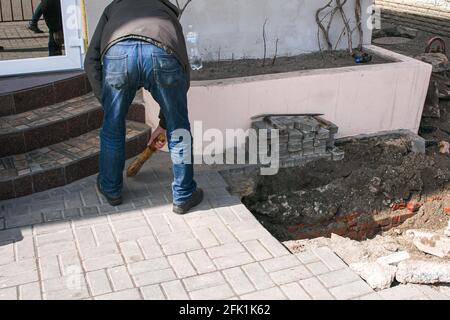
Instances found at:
x=436 y=55
x=440 y=75
x=441 y=48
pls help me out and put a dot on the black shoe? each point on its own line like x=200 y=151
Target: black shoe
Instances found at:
x=34 y=28
x=196 y=199
x=112 y=201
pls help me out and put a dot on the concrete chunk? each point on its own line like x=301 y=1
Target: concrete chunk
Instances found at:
x=394 y=259
x=423 y=272
x=430 y=242
x=378 y=276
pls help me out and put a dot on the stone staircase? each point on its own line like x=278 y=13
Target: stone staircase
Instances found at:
x=49 y=135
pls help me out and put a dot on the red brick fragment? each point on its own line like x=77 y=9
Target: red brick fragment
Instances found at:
x=413 y=206
x=398 y=206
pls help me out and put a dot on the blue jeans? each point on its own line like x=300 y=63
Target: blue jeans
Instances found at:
x=128 y=66
x=37 y=14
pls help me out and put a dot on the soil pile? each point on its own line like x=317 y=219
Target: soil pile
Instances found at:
x=225 y=69
x=377 y=174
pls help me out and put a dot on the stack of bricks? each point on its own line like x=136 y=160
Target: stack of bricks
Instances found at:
x=302 y=138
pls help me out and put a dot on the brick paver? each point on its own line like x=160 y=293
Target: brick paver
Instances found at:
x=21 y=43
x=67 y=243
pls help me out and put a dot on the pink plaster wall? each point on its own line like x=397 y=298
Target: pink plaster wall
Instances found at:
x=359 y=99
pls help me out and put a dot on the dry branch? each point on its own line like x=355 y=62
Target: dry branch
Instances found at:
x=265 y=42
x=182 y=8
x=358 y=14
x=337 y=6
x=325 y=32
x=276 y=52
x=340 y=5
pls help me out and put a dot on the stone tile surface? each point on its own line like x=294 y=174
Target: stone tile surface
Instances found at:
x=67 y=243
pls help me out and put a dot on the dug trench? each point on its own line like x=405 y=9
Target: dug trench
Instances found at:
x=366 y=207
x=380 y=185
x=384 y=209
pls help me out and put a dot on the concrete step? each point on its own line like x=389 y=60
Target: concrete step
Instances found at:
x=29 y=92
x=61 y=163
x=27 y=131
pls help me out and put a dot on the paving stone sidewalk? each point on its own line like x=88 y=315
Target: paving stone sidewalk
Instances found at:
x=21 y=43
x=67 y=243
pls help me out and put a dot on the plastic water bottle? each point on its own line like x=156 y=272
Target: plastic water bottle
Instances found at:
x=194 y=53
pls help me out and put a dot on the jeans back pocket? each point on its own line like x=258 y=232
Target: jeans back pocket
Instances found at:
x=168 y=71
x=116 y=71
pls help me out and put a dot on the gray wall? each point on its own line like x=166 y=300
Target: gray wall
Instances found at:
x=235 y=26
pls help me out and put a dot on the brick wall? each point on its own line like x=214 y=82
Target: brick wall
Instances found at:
x=356 y=226
x=361 y=225
x=427 y=15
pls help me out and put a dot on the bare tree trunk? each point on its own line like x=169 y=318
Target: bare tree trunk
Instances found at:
x=325 y=32
x=346 y=24
x=358 y=14
x=265 y=42
x=182 y=8
x=276 y=53
x=337 y=6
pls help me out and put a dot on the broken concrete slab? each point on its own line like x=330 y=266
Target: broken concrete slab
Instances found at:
x=349 y=250
x=423 y=272
x=396 y=31
x=377 y=275
x=432 y=108
x=388 y=41
x=439 y=61
x=407 y=32
x=417 y=143
x=394 y=259
x=430 y=242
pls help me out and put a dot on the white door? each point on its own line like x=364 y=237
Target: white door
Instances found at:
x=15 y=59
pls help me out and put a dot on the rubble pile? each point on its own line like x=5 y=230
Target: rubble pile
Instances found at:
x=439 y=88
x=395 y=187
x=382 y=186
x=419 y=257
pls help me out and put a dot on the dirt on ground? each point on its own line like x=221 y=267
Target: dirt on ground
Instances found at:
x=225 y=69
x=437 y=129
x=229 y=68
x=412 y=47
x=377 y=174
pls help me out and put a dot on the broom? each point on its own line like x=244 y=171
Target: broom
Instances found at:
x=137 y=164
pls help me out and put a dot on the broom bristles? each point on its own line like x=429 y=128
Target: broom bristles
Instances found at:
x=137 y=164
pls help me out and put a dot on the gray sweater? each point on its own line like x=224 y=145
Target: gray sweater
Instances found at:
x=155 y=20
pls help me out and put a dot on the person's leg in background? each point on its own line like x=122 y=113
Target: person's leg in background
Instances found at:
x=33 y=24
x=165 y=78
x=120 y=83
x=54 y=49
